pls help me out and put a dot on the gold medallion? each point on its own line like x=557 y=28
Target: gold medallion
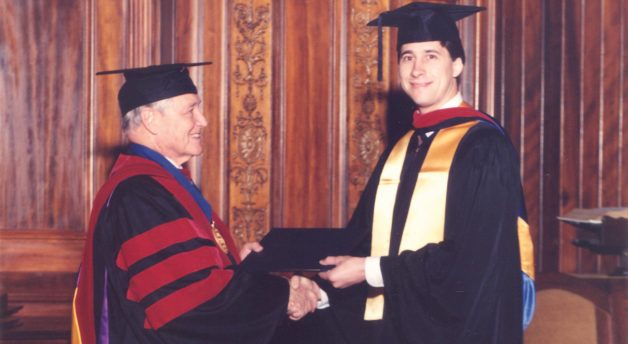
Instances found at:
x=219 y=239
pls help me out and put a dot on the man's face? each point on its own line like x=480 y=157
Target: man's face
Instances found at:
x=428 y=74
x=178 y=128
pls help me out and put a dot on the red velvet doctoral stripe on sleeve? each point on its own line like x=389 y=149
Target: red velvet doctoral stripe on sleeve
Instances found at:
x=156 y=239
x=170 y=270
x=186 y=299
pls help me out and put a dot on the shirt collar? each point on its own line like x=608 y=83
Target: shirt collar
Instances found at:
x=172 y=162
x=453 y=102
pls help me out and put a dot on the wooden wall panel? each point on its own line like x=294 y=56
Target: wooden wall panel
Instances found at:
x=36 y=251
x=109 y=44
x=598 y=144
x=143 y=32
x=548 y=243
x=530 y=120
x=571 y=97
x=513 y=33
x=590 y=117
x=610 y=62
x=186 y=24
x=610 y=179
x=308 y=112
x=43 y=93
x=485 y=55
x=338 y=204
x=296 y=116
x=558 y=92
x=249 y=118
x=213 y=167
x=623 y=102
x=366 y=96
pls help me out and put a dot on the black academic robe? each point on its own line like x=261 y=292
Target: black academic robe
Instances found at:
x=159 y=277
x=465 y=289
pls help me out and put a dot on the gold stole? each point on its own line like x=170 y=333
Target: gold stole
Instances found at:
x=526 y=248
x=426 y=215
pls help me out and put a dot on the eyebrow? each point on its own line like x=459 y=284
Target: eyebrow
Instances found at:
x=434 y=51
x=428 y=50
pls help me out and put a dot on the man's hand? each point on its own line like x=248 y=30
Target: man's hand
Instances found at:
x=304 y=295
x=348 y=271
x=248 y=248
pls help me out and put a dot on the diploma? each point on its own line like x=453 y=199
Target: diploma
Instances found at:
x=299 y=249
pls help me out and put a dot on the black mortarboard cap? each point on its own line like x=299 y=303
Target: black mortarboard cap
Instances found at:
x=422 y=22
x=149 y=84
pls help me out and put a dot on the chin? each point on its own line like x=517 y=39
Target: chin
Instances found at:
x=197 y=152
x=419 y=99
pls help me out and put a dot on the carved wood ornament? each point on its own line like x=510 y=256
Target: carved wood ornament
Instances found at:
x=249 y=165
x=366 y=101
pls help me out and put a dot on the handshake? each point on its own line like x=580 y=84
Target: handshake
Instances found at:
x=304 y=293
x=304 y=297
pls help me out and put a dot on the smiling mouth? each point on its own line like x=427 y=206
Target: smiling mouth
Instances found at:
x=420 y=84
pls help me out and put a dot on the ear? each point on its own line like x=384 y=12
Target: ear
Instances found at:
x=149 y=119
x=458 y=66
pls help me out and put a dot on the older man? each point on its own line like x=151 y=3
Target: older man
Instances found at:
x=159 y=265
x=446 y=241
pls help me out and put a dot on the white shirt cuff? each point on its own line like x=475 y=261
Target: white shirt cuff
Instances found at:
x=373 y=272
x=324 y=301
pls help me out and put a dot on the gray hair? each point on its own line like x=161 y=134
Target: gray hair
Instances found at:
x=132 y=119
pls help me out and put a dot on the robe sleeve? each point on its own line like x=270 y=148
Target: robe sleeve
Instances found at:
x=467 y=287
x=166 y=280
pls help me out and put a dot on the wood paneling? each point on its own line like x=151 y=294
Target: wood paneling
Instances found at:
x=623 y=103
x=555 y=80
x=37 y=250
x=590 y=118
x=296 y=115
x=213 y=179
x=109 y=37
x=558 y=94
x=570 y=172
x=44 y=92
x=610 y=183
x=549 y=200
x=531 y=104
x=308 y=112
x=250 y=118
x=366 y=96
x=610 y=106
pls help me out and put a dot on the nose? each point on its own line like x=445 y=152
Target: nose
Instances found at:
x=417 y=68
x=200 y=119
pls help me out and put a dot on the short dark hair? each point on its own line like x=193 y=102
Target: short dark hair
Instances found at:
x=455 y=51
